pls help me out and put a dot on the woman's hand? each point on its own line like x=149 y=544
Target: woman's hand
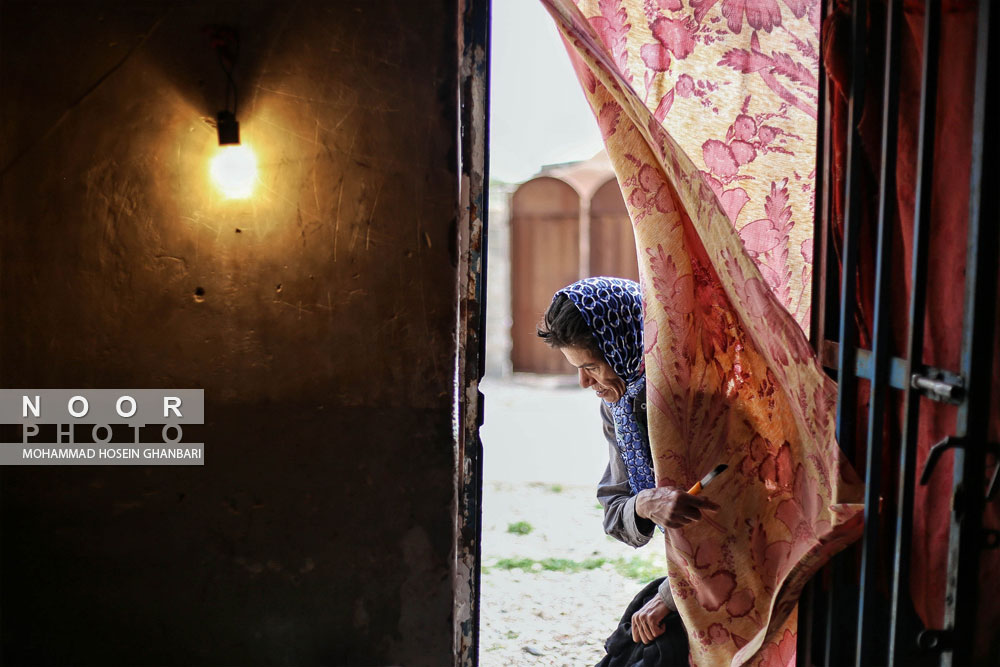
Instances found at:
x=647 y=623
x=671 y=507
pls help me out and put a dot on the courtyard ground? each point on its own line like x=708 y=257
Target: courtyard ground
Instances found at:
x=554 y=585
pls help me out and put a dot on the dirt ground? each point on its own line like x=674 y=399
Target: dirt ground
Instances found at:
x=554 y=585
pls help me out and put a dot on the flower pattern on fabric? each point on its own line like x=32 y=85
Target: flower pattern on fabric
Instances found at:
x=612 y=308
x=705 y=146
x=735 y=83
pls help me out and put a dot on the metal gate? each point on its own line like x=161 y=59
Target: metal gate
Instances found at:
x=858 y=610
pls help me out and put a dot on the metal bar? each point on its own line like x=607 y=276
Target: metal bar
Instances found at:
x=841 y=602
x=870 y=604
x=809 y=623
x=847 y=387
x=830 y=292
x=832 y=606
x=837 y=651
x=864 y=366
x=821 y=213
x=900 y=575
x=965 y=534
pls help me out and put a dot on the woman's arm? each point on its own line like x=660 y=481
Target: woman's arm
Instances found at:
x=615 y=495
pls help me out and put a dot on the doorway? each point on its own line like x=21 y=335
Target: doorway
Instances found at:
x=532 y=551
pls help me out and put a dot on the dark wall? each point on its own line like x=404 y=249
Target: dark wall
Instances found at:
x=320 y=529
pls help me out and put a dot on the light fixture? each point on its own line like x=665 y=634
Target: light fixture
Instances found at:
x=234 y=171
x=229 y=128
x=234 y=167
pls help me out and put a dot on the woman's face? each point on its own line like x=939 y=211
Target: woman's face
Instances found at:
x=594 y=372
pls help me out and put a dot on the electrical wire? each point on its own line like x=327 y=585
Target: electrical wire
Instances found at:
x=227 y=60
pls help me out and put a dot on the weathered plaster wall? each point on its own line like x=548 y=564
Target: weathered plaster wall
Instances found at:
x=320 y=528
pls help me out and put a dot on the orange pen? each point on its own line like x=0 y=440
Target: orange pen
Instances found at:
x=698 y=486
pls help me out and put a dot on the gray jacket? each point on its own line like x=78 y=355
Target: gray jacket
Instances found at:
x=615 y=495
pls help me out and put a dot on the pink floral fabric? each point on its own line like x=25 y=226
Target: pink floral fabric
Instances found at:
x=708 y=113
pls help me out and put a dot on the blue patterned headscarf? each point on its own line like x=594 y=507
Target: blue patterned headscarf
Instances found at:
x=612 y=308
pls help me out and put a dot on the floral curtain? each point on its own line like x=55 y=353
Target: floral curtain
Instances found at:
x=708 y=113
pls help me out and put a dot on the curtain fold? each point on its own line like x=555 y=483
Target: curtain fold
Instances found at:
x=708 y=114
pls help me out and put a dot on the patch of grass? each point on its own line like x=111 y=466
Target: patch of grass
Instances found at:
x=514 y=564
x=639 y=569
x=520 y=528
x=550 y=564
x=598 y=506
x=512 y=635
x=556 y=488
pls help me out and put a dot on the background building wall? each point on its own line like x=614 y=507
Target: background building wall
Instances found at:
x=320 y=529
x=498 y=302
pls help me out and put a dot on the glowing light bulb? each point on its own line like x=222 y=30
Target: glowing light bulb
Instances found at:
x=234 y=171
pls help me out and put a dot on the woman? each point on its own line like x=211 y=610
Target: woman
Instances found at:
x=597 y=325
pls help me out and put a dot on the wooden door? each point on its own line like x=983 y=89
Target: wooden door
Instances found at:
x=612 y=243
x=545 y=256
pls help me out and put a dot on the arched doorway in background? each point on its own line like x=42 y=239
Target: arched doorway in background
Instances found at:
x=545 y=256
x=612 y=243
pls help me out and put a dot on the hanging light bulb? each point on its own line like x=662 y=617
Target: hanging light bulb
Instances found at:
x=234 y=167
x=234 y=170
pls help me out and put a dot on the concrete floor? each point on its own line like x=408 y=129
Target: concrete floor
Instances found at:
x=543 y=455
x=542 y=428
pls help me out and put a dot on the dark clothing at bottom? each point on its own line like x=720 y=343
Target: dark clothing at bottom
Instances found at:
x=668 y=650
